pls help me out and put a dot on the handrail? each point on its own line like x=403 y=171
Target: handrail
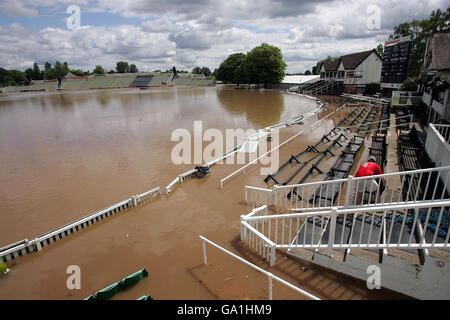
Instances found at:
x=411 y=172
x=342 y=210
x=257 y=159
x=269 y=275
x=379 y=121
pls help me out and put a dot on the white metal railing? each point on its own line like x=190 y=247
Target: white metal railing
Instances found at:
x=389 y=226
x=317 y=124
x=257 y=159
x=399 y=187
x=381 y=121
x=366 y=99
x=444 y=131
x=269 y=275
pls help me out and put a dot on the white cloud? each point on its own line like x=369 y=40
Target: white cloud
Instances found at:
x=203 y=32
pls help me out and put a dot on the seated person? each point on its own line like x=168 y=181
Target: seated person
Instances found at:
x=369 y=168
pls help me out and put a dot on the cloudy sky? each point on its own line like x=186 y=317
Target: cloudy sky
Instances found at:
x=157 y=34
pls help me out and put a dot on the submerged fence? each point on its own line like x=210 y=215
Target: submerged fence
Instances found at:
x=26 y=246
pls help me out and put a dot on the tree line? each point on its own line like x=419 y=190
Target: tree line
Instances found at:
x=262 y=65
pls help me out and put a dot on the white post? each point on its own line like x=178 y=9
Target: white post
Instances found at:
x=273 y=200
x=245 y=194
x=242 y=229
x=205 y=261
x=348 y=191
x=269 y=277
x=38 y=244
x=332 y=231
x=272 y=255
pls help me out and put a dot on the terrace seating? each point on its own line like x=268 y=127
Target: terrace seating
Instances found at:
x=100 y=82
x=339 y=170
x=182 y=81
x=124 y=81
x=37 y=86
x=159 y=80
x=378 y=149
x=10 y=89
x=73 y=84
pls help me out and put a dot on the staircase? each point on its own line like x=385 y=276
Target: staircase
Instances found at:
x=322 y=88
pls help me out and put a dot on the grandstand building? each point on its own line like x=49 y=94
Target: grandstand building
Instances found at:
x=354 y=71
x=111 y=81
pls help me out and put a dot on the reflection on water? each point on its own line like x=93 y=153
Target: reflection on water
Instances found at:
x=261 y=108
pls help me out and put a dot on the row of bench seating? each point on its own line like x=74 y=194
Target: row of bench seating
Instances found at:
x=357 y=112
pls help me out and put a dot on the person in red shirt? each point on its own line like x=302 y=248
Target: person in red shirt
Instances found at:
x=369 y=168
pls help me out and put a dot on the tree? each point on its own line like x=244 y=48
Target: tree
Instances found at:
x=318 y=67
x=197 y=70
x=264 y=64
x=60 y=70
x=78 y=73
x=307 y=72
x=29 y=73
x=226 y=71
x=47 y=66
x=66 y=68
x=420 y=31
x=13 y=77
x=122 y=67
x=133 y=69
x=99 y=70
x=380 y=50
x=206 y=71
x=408 y=85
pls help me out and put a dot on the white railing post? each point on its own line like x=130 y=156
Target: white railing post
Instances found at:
x=242 y=228
x=245 y=196
x=205 y=261
x=273 y=198
x=273 y=255
x=332 y=231
x=269 y=278
x=38 y=244
x=348 y=191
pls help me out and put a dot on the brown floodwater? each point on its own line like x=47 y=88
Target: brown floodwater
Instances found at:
x=65 y=155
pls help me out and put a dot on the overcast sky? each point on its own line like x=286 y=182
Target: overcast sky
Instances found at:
x=157 y=34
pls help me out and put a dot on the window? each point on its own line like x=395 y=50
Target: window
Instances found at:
x=341 y=74
x=350 y=74
x=322 y=75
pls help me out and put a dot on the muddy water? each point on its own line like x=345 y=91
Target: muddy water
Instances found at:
x=66 y=155
x=63 y=156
